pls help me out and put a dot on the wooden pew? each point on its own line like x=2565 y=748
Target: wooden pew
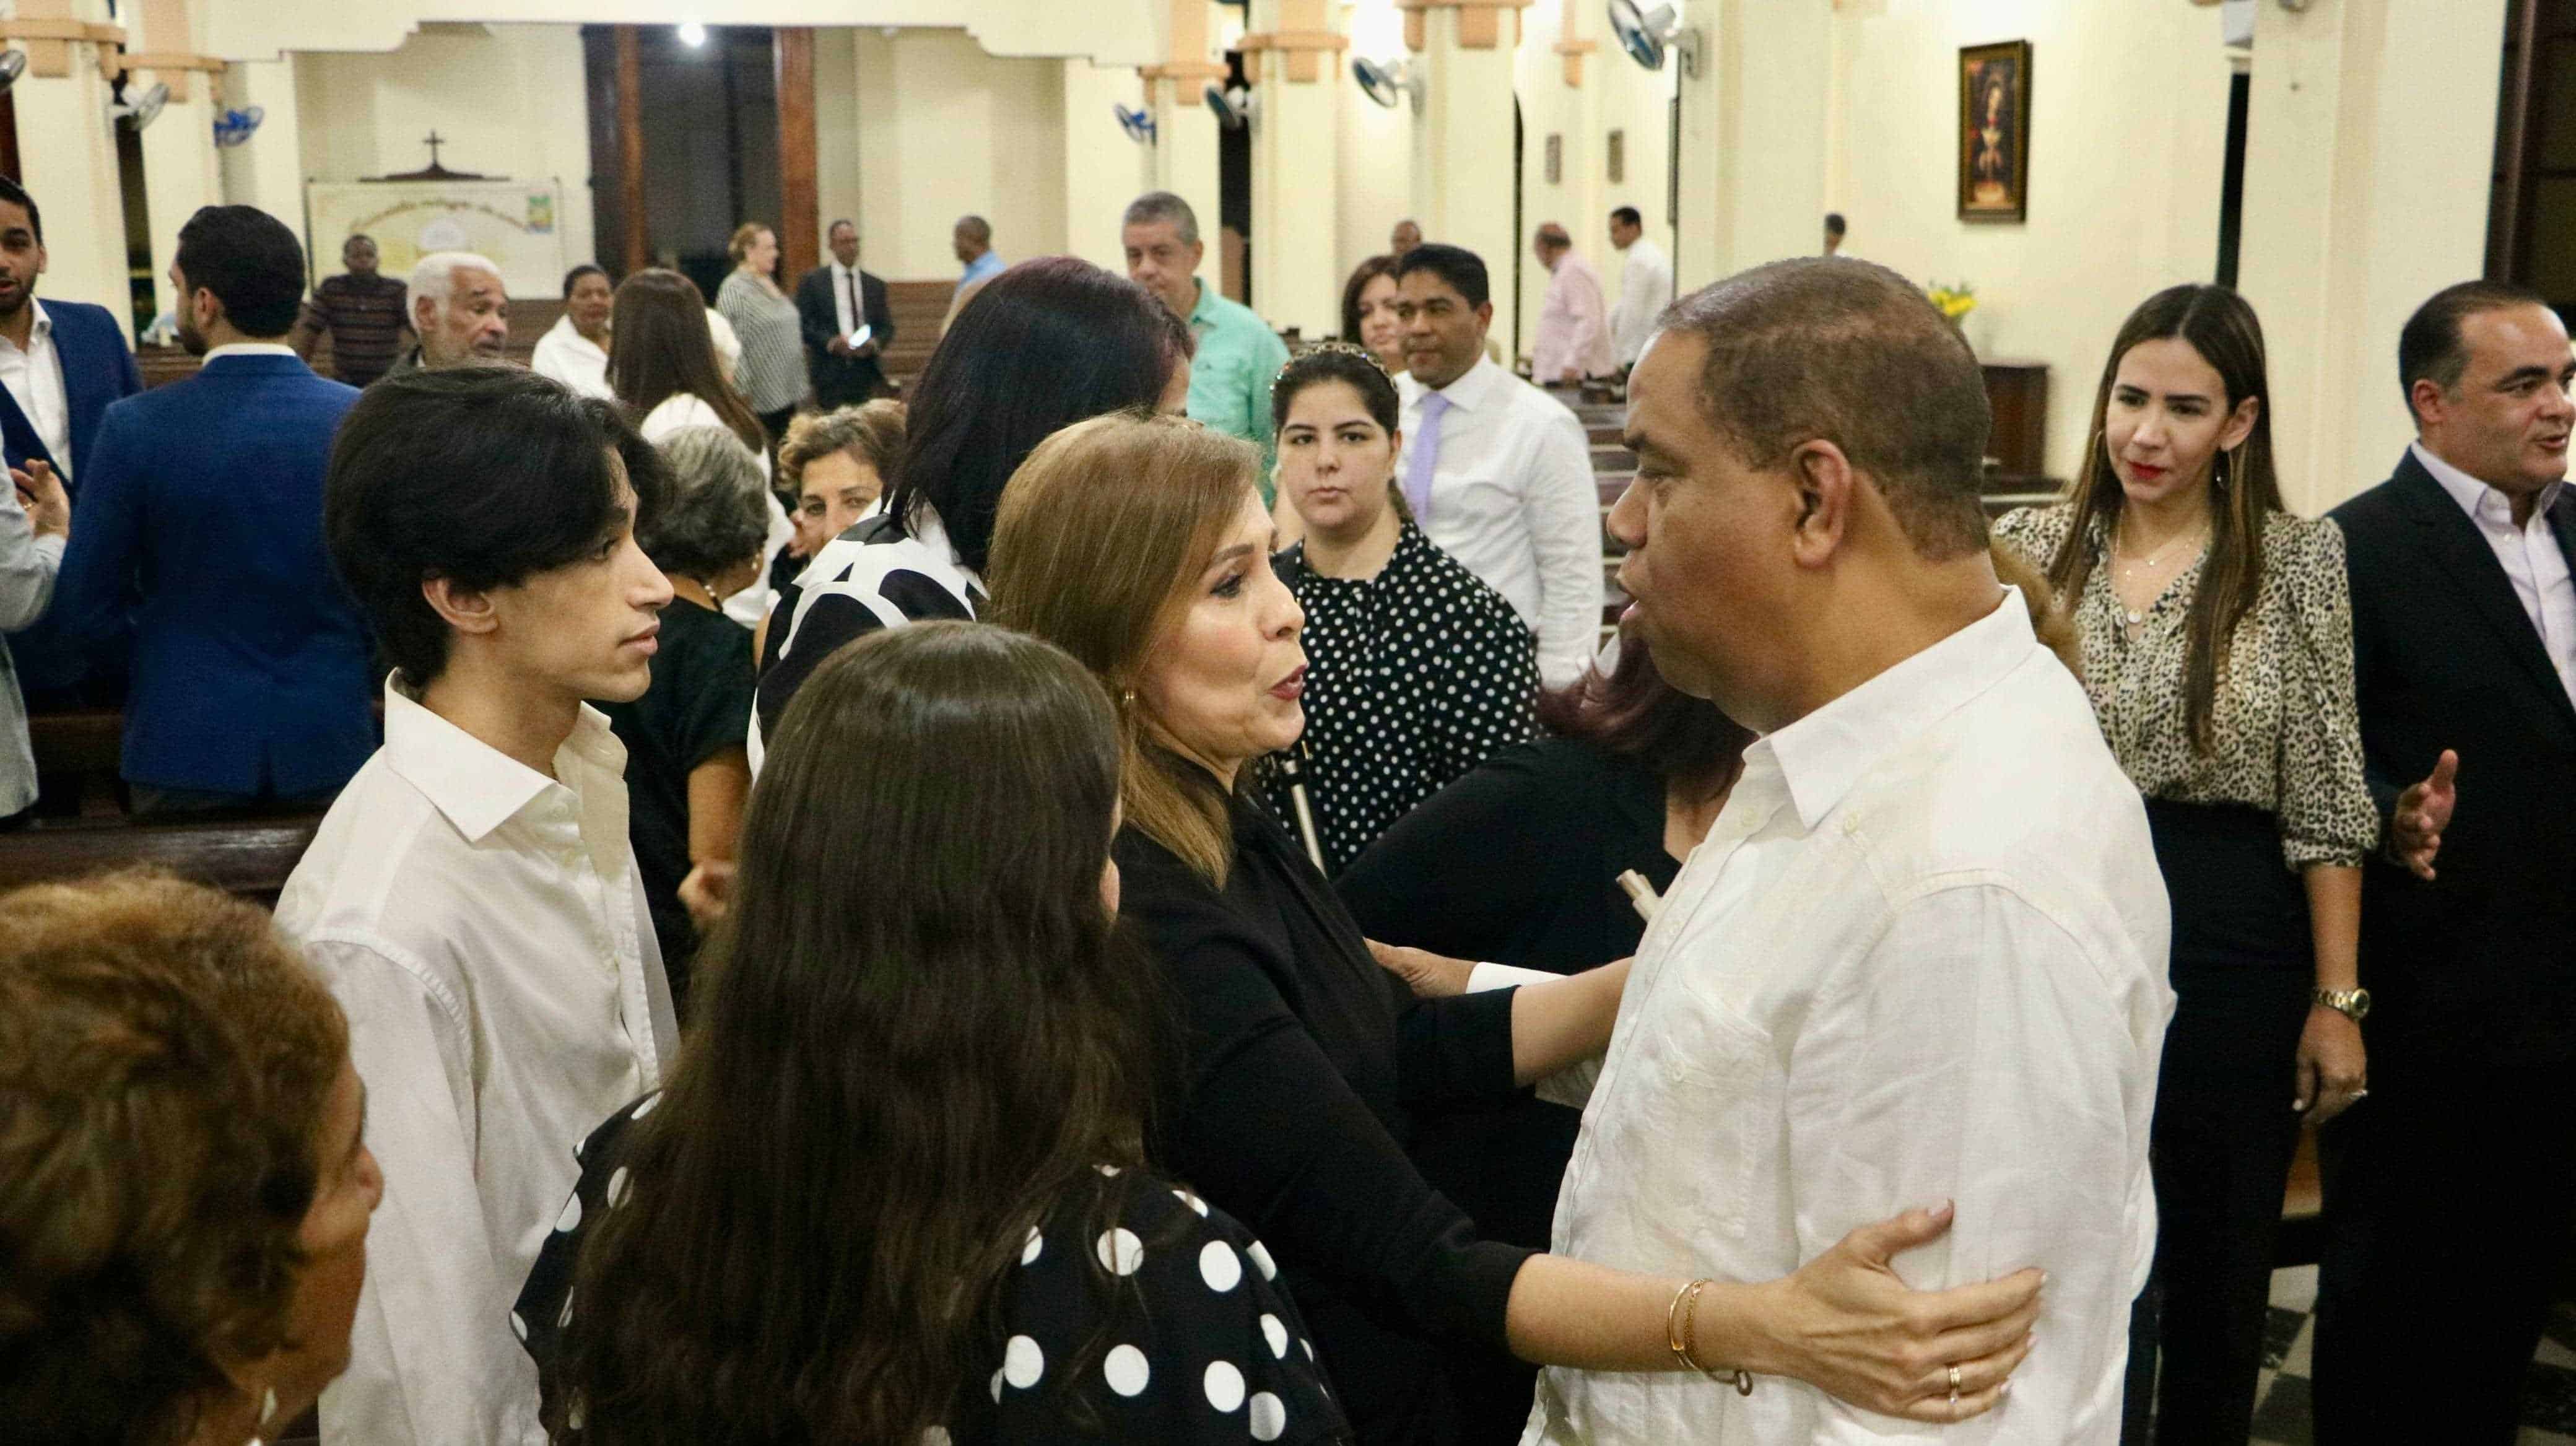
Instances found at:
x=246 y=857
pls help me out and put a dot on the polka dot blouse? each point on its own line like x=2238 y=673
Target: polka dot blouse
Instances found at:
x=1136 y=1312
x=1413 y=677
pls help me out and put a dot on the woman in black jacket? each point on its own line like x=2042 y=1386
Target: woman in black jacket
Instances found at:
x=1141 y=547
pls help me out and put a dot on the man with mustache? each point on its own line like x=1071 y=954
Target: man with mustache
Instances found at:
x=459 y=310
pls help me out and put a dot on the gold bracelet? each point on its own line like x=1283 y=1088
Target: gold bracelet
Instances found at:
x=1681 y=1334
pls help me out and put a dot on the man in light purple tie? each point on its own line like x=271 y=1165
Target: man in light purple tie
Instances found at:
x=1497 y=472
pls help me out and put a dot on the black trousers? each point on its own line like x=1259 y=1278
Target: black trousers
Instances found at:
x=2447 y=1211
x=2224 y=1132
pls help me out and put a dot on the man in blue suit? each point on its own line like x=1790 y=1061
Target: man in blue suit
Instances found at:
x=62 y=364
x=251 y=675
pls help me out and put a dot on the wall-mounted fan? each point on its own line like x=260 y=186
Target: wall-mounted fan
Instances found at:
x=1647 y=34
x=142 y=111
x=1389 y=81
x=13 y=63
x=1138 y=125
x=235 y=126
x=1233 y=107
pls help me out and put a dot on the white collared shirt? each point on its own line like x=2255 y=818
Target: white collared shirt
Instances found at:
x=244 y=348
x=846 y=304
x=573 y=359
x=1573 y=323
x=485 y=929
x=2532 y=559
x=1645 y=289
x=1920 y=957
x=34 y=378
x=1513 y=497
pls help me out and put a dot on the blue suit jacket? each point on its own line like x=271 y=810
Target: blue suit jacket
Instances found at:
x=252 y=671
x=98 y=371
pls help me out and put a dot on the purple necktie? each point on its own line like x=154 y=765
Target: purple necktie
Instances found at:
x=1421 y=456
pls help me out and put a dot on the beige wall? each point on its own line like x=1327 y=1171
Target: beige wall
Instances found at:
x=509 y=100
x=1616 y=94
x=2127 y=143
x=1373 y=145
x=1102 y=168
x=945 y=129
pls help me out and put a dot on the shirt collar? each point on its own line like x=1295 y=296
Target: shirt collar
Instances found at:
x=1822 y=755
x=44 y=327
x=1203 y=312
x=564 y=328
x=477 y=786
x=2483 y=501
x=1471 y=390
x=930 y=532
x=245 y=348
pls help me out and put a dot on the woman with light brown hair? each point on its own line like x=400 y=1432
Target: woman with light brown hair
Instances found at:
x=184 y=1184
x=764 y=316
x=1141 y=547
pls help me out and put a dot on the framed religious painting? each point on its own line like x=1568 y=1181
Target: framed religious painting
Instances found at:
x=1994 y=132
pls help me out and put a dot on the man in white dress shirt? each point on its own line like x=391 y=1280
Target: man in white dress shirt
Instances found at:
x=1921 y=955
x=1497 y=472
x=471 y=897
x=1645 y=286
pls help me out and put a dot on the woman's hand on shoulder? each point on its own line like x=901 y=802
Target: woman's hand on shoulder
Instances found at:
x=1846 y=1324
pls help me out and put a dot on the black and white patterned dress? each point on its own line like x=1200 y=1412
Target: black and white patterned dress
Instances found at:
x=1137 y=1313
x=1413 y=677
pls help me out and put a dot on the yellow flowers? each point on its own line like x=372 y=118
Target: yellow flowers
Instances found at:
x=1955 y=301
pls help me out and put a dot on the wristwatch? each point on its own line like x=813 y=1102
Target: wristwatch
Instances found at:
x=2352 y=1004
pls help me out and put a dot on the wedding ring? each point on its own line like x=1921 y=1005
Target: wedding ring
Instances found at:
x=1954 y=1385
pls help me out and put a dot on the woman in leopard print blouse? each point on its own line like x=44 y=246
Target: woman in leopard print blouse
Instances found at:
x=2217 y=637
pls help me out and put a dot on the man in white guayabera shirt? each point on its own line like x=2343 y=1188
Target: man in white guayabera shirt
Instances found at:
x=1921 y=955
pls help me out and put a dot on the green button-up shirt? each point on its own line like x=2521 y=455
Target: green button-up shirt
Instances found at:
x=1230 y=377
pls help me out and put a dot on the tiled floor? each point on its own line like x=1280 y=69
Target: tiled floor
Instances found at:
x=2281 y=1417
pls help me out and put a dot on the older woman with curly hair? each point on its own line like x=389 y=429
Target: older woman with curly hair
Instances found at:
x=184 y=1181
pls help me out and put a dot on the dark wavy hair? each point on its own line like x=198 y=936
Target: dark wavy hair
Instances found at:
x=659 y=347
x=1631 y=712
x=1337 y=362
x=1045 y=344
x=2245 y=490
x=165 y=1063
x=886 y=1088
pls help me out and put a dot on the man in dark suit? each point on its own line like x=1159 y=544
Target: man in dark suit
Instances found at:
x=252 y=679
x=2448 y=1191
x=834 y=300
x=61 y=364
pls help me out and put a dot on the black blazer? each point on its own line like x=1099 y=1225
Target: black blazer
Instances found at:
x=2481 y=962
x=840 y=381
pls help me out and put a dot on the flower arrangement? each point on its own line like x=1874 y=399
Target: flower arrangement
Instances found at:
x=1955 y=301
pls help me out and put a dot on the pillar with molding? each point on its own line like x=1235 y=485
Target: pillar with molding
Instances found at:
x=267 y=170
x=69 y=149
x=180 y=171
x=1463 y=180
x=1755 y=136
x=1184 y=153
x=1294 y=57
x=2366 y=191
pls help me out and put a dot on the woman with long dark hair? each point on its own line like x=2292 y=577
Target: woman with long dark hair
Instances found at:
x=663 y=366
x=894 y=1191
x=1043 y=345
x=1140 y=546
x=1368 y=313
x=2217 y=637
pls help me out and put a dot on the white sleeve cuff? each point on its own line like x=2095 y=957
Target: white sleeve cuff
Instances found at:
x=1504 y=976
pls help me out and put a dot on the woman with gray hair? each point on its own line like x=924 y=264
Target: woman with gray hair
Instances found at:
x=686 y=772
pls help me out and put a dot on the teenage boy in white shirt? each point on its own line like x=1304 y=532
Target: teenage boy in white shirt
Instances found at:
x=471 y=896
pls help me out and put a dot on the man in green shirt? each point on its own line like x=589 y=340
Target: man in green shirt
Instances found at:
x=1238 y=353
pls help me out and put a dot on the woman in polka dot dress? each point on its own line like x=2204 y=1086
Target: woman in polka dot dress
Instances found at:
x=1416 y=671
x=893 y=1192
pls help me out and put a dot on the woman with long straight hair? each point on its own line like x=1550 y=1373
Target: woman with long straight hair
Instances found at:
x=663 y=366
x=894 y=1192
x=2217 y=636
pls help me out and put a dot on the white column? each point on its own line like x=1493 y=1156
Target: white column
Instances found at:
x=1462 y=155
x=69 y=155
x=1102 y=168
x=267 y=170
x=1184 y=156
x=2366 y=190
x=1296 y=181
x=180 y=173
x=1754 y=136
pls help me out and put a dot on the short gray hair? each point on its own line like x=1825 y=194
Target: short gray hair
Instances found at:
x=434 y=277
x=717 y=511
x=1155 y=206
